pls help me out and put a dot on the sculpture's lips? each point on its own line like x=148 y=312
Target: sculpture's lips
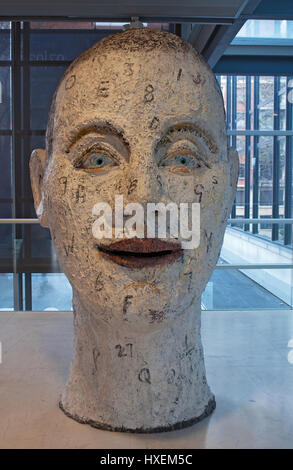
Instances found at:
x=139 y=253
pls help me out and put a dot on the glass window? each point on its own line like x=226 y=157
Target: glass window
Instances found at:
x=261 y=106
x=265 y=148
x=51 y=291
x=6 y=251
x=52 y=45
x=240 y=193
x=5 y=97
x=5 y=177
x=272 y=29
x=4 y=40
x=6 y=289
x=43 y=82
x=240 y=103
x=281 y=184
x=220 y=292
x=266 y=103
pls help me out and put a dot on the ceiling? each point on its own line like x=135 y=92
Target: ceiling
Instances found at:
x=108 y=8
x=210 y=25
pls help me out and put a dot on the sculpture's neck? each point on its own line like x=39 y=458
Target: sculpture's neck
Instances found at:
x=119 y=368
x=131 y=345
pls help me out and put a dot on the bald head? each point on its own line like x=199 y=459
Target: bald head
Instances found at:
x=135 y=62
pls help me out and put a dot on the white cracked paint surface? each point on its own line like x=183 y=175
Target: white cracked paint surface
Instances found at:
x=135 y=99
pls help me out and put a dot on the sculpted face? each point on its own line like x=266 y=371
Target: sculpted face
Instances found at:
x=140 y=115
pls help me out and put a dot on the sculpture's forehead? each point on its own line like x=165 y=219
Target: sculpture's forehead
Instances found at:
x=130 y=89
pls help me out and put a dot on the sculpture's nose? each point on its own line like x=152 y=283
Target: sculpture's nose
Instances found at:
x=144 y=183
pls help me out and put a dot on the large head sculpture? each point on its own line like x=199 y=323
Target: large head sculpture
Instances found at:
x=141 y=115
x=124 y=113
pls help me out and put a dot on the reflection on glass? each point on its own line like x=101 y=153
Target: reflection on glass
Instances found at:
x=240 y=193
x=44 y=81
x=5 y=40
x=281 y=193
x=283 y=102
x=228 y=290
x=6 y=289
x=5 y=177
x=265 y=147
x=241 y=103
x=5 y=97
x=266 y=103
x=51 y=291
x=279 y=29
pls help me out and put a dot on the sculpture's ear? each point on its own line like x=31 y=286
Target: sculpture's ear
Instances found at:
x=234 y=166
x=37 y=167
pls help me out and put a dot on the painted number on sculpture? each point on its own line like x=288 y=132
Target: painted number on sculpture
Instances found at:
x=149 y=94
x=124 y=351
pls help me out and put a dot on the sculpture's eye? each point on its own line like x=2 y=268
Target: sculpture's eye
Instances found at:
x=182 y=161
x=96 y=161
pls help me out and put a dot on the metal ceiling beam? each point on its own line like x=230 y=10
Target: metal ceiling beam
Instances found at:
x=212 y=42
x=126 y=19
x=254 y=65
x=200 y=35
x=272 y=10
x=201 y=9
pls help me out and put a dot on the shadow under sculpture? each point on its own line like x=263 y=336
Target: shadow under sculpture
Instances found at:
x=140 y=114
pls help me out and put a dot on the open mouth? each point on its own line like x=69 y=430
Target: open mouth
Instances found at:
x=139 y=253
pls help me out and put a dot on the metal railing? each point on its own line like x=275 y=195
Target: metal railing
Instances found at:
x=230 y=221
x=218 y=266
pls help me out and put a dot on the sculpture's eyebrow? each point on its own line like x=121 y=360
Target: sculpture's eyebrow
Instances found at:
x=105 y=129
x=195 y=129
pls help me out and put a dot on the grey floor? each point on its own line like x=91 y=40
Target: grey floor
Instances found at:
x=249 y=368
